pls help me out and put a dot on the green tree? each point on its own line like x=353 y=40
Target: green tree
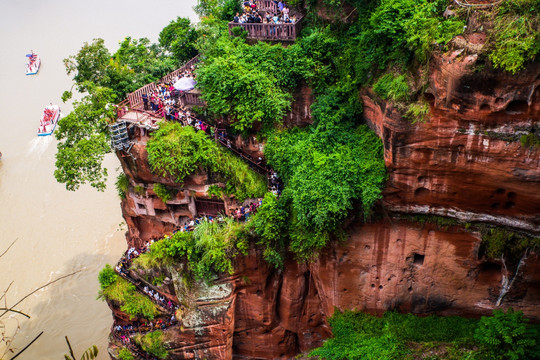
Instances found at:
x=179 y=38
x=270 y=226
x=83 y=140
x=106 y=277
x=241 y=93
x=89 y=65
x=506 y=336
x=152 y=343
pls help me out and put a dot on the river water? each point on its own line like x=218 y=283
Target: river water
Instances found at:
x=57 y=231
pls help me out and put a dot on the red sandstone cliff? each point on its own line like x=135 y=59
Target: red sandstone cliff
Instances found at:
x=465 y=162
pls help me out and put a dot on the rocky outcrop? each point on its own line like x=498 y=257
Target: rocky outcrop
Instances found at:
x=466 y=161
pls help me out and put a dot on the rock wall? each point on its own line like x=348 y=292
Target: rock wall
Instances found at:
x=465 y=162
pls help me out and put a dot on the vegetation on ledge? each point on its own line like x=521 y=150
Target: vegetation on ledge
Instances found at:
x=206 y=252
x=179 y=151
x=114 y=288
x=397 y=336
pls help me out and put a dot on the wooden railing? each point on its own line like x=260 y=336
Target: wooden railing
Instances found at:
x=267 y=6
x=187 y=65
x=286 y=32
x=135 y=98
x=191 y=99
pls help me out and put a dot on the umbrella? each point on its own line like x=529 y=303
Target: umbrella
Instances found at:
x=185 y=84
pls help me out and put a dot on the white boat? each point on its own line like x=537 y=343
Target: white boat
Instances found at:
x=34 y=62
x=49 y=119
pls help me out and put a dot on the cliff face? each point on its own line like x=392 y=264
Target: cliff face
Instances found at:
x=466 y=162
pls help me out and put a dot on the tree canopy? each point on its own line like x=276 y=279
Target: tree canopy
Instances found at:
x=179 y=38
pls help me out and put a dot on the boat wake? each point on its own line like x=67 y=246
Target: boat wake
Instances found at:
x=38 y=145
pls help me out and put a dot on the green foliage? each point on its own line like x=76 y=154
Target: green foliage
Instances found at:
x=89 y=354
x=152 y=343
x=106 y=277
x=163 y=192
x=122 y=185
x=515 y=36
x=392 y=87
x=131 y=302
x=361 y=336
x=531 y=140
x=223 y=10
x=139 y=190
x=135 y=64
x=417 y=112
x=270 y=225
x=207 y=251
x=179 y=38
x=507 y=336
x=179 y=151
x=83 y=140
x=125 y=354
x=241 y=92
x=214 y=190
x=83 y=135
x=327 y=168
x=500 y=242
x=247 y=84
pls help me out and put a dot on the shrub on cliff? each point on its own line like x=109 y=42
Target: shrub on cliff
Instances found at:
x=507 y=336
x=125 y=354
x=270 y=226
x=152 y=343
x=163 y=192
x=325 y=171
x=107 y=277
x=357 y=335
x=131 y=302
x=179 y=151
x=122 y=185
x=515 y=38
x=207 y=251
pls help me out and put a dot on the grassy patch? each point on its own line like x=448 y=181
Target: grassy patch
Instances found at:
x=131 y=302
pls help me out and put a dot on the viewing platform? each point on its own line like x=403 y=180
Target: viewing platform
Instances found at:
x=273 y=32
x=189 y=98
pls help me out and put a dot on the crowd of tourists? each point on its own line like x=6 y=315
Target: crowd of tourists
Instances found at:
x=164 y=100
x=251 y=14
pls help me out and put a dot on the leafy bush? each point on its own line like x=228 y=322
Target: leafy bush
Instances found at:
x=125 y=354
x=270 y=226
x=530 y=140
x=328 y=168
x=507 y=336
x=152 y=343
x=179 y=38
x=122 y=185
x=207 y=251
x=214 y=190
x=131 y=302
x=515 y=36
x=139 y=190
x=107 y=276
x=392 y=87
x=500 y=242
x=418 y=112
x=163 y=192
x=179 y=151
x=361 y=336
